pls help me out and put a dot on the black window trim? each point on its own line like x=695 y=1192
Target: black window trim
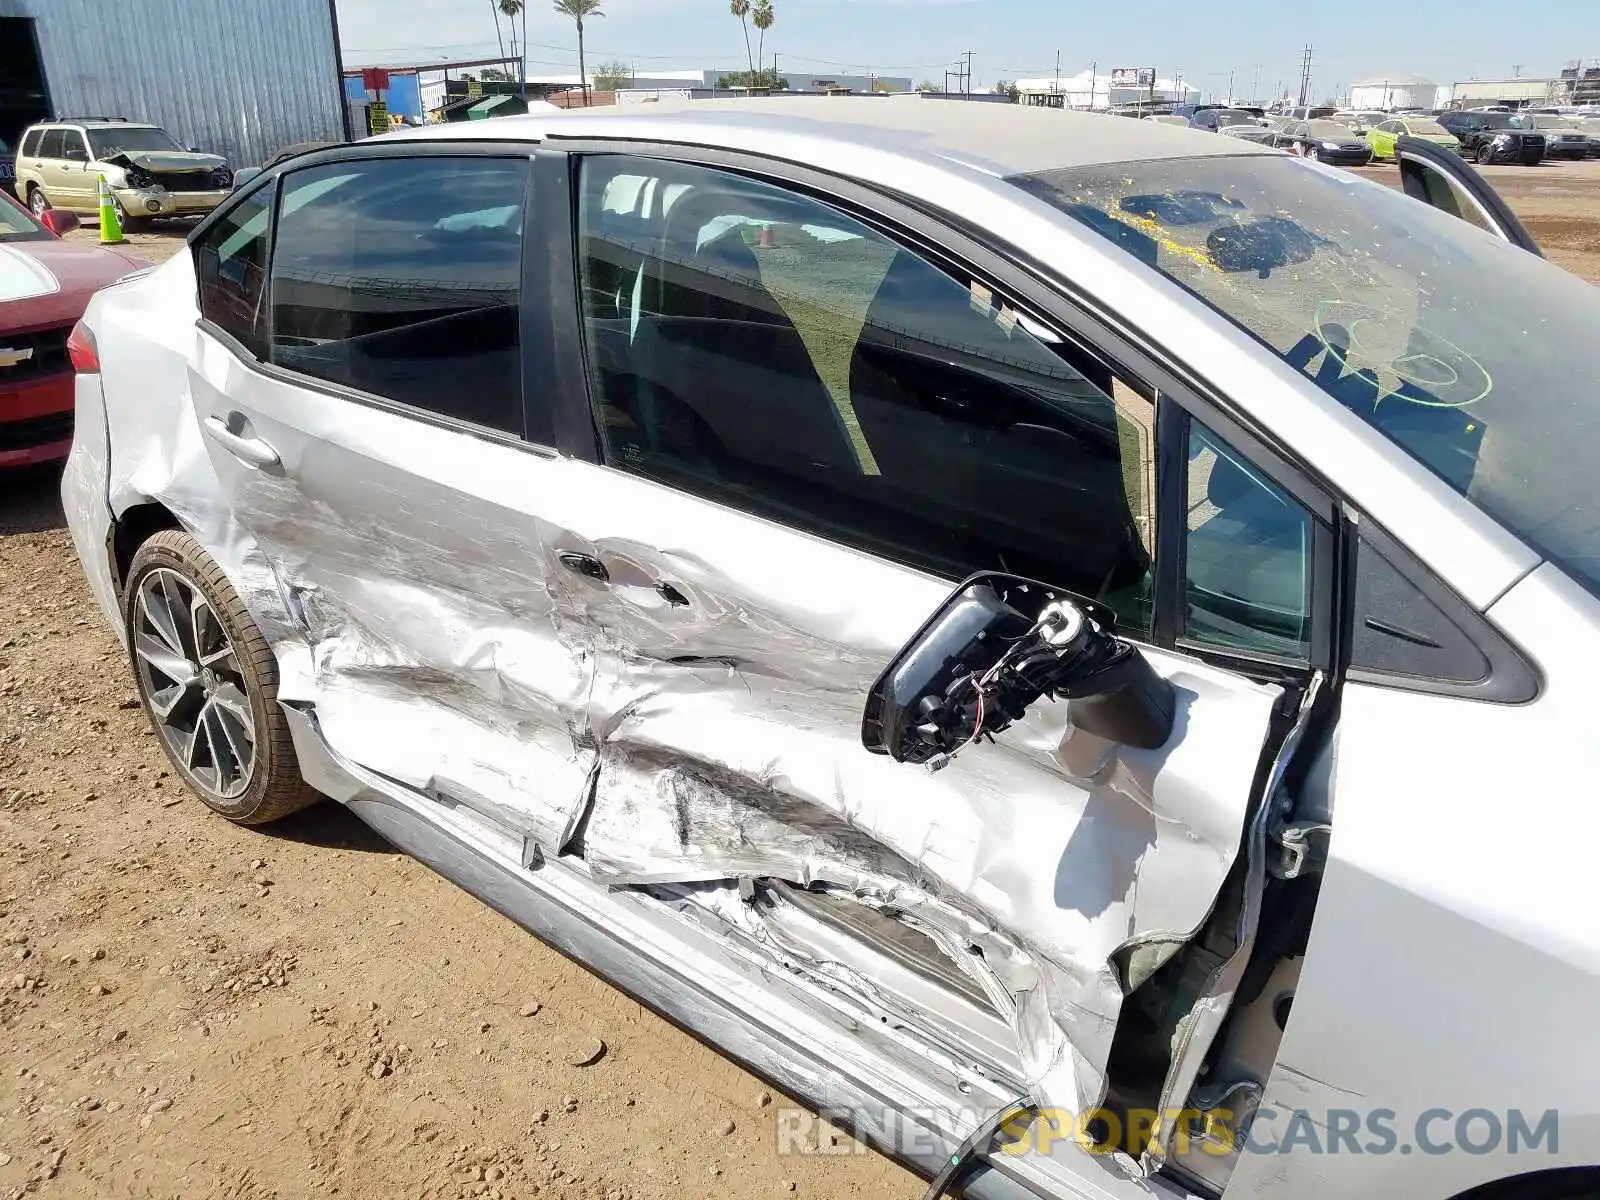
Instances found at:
x=1065 y=307
x=536 y=341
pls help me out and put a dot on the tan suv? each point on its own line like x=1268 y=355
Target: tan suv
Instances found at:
x=60 y=164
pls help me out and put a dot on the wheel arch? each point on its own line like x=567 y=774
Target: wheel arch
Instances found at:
x=132 y=529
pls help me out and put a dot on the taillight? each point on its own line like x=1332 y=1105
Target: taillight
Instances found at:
x=85 y=355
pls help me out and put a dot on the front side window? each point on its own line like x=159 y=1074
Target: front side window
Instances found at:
x=400 y=277
x=767 y=351
x=1380 y=301
x=73 y=145
x=231 y=271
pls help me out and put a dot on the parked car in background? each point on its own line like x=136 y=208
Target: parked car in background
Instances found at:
x=1383 y=135
x=1563 y=137
x=619 y=512
x=45 y=284
x=1360 y=120
x=1495 y=137
x=8 y=168
x=1324 y=140
x=1591 y=129
x=1167 y=119
x=60 y=165
x=1236 y=122
x=1309 y=112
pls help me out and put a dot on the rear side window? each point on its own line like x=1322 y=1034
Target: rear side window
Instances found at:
x=50 y=145
x=400 y=277
x=30 y=142
x=231 y=269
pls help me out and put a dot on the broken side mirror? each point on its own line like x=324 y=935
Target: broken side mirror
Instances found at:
x=994 y=648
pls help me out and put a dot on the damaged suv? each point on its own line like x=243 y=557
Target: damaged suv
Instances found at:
x=60 y=165
x=1059 y=642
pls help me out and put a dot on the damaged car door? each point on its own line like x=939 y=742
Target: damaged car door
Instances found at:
x=809 y=430
x=362 y=390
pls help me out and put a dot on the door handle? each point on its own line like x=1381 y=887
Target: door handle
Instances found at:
x=586 y=565
x=251 y=451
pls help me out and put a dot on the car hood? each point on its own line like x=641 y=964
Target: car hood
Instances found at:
x=165 y=160
x=50 y=282
x=1251 y=133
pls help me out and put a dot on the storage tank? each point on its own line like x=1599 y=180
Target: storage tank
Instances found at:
x=1398 y=90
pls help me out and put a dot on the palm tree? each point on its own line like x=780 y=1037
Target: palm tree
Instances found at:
x=762 y=18
x=741 y=9
x=494 y=12
x=510 y=8
x=578 y=10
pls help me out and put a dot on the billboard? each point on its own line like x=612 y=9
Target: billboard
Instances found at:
x=1133 y=77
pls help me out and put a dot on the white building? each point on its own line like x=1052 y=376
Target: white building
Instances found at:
x=1092 y=89
x=1396 y=90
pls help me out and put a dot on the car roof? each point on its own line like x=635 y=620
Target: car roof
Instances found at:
x=997 y=139
x=93 y=123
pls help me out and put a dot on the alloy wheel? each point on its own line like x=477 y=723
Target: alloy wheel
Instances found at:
x=37 y=202
x=191 y=681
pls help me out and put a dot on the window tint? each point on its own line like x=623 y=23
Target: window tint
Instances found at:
x=400 y=277
x=764 y=350
x=231 y=268
x=50 y=146
x=1247 y=569
x=30 y=142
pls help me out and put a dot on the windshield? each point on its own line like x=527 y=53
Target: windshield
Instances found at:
x=1379 y=300
x=1427 y=128
x=18 y=225
x=1235 y=116
x=1329 y=129
x=1502 y=121
x=106 y=142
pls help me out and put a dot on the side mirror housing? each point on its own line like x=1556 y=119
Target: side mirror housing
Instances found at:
x=59 y=221
x=994 y=648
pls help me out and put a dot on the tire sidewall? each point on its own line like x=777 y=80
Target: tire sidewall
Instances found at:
x=189 y=560
x=38 y=202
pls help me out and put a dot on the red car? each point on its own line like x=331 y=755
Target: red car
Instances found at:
x=45 y=284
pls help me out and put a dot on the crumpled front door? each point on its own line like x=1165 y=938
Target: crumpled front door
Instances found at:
x=734 y=656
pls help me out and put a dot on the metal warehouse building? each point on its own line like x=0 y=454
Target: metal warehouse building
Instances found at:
x=238 y=79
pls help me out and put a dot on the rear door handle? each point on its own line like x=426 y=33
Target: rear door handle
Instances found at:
x=586 y=565
x=251 y=451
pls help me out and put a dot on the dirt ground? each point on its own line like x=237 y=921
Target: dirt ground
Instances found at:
x=188 y=1009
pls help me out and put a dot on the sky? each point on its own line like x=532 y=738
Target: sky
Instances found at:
x=1259 y=41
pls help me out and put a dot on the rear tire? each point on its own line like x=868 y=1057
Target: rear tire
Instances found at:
x=37 y=200
x=208 y=683
x=1485 y=156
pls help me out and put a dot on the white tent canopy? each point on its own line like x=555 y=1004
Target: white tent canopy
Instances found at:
x=1092 y=89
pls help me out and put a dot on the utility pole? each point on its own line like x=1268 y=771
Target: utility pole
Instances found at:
x=967 y=79
x=1229 y=97
x=1305 y=74
x=1255 y=82
x=1056 y=89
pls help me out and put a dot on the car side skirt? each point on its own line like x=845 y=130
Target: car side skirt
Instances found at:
x=885 y=1092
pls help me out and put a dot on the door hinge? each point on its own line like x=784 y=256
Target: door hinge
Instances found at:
x=1299 y=848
